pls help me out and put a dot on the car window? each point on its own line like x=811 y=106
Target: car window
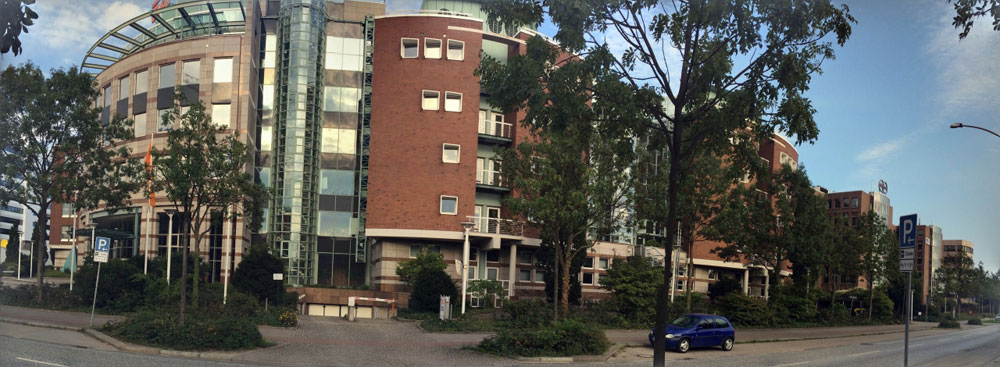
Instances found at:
x=706 y=323
x=685 y=321
x=721 y=323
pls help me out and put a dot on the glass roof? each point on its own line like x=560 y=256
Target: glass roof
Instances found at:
x=171 y=23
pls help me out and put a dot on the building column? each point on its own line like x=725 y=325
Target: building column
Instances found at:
x=746 y=282
x=512 y=276
x=767 y=284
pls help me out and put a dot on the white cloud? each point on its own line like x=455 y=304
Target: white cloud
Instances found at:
x=881 y=151
x=966 y=69
x=69 y=24
x=393 y=5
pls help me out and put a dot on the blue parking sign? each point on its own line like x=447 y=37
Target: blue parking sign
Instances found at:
x=907 y=230
x=103 y=244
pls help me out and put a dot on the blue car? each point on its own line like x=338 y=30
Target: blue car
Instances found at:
x=699 y=330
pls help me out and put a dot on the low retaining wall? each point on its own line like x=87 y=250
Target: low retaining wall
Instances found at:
x=333 y=302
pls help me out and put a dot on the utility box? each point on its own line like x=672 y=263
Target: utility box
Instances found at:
x=445 y=311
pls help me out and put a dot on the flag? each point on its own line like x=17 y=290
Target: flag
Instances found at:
x=149 y=169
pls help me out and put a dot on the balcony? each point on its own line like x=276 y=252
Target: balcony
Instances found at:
x=496 y=226
x=491 y=180
x=497 y=132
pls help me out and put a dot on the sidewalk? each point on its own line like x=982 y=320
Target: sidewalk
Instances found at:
x=641 y=337
x=64 y=319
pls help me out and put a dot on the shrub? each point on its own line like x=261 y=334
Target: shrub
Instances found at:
x=429 y=286
x=525 y=313
x=201 y=332
x=949 y=324
x=254 y=275
x=566 y=338
x=241 y=305
x=723 y=287
x=487 y=290
x=975 y=322
x=56 y=298
x=425 y=261
x=744 y=311
x=633 y=284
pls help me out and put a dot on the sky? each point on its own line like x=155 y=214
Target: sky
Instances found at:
x=883 y=106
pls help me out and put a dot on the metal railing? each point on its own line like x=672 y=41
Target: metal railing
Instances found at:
x=495 y=128
x=489 y=225
x=429 y=12
x=489 y=177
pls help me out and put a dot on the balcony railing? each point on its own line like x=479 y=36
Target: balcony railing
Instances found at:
x=495 y=129
x=489 y=177
x=499 y=226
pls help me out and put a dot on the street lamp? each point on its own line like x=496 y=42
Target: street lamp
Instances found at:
x=465 y=261
x=960 y=125
x=170 y=237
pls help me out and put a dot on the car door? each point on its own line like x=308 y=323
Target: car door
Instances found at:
x=722 y=330
x=704 y=333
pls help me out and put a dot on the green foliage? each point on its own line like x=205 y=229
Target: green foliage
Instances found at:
x=745 y=311
x=122 y=288
x=408 y=314
x=200 y=332
x=723 y=287
x=255 y=274
x=966 y=12
x=487 y=289
x=975 y=322
x=56 y=298
x=566 y=338
x=425 y=261
x=525 y=313
x=949 y=324
x=633 y=283
x=428 y=288
x=16 y=16
x=459 y=325
x=13 y=242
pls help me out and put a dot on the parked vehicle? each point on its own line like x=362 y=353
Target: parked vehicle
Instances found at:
x=697 y=331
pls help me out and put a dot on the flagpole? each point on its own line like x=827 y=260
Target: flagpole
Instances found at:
x=152 y=204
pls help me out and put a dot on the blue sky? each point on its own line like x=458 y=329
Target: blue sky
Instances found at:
x=884 y=106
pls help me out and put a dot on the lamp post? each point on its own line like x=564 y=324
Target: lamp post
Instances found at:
x=465 y=262
x=170 y=237
x=961 y=125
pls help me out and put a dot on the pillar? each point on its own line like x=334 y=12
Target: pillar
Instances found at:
x=512 y=276
x=746 y=282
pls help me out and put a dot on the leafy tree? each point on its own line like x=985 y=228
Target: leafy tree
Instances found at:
x=955 y=276
x=875 y=242
x=487 y=290
x=966 y=12
x=53 y=145
x=203 y=171
x=739 y=66
x=13 y=243
x=254 y=274
x=425 y=261
x=428 y=287
x=571 y=175
x=633 y=283
x=15 y=17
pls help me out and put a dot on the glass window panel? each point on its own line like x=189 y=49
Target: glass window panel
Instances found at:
x=265 y=176
x=159 y=122
x=453 y=102
x=450 y=153
x=331 y=138
x=346 y=142
x=223 y=71
x=123 y=91
x=271 y=42
x=334 y=44
x=166 y=76
x=269 y=59
x=267 y=97
x=334 y=61
x=336 y=182
x=492 y=273
x=68 y=210
x=449 y=205
x=139 y=124
x=351 y=63
x=265 y=138
x=432 y=48
x=525 y=275
x=67 y=233
x=331 y=95
x=107 y=96
x=456 y=50
x=334 y=224
x=221 y=115
x=410 y=48
x=430 y=100
x=414 y=250
x=141 y=82
x=353 y=46
x=190 y=73
x=349 y=99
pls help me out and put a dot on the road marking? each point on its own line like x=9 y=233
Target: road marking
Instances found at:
x=792 y=364
x=40 y=362
x=861 y=354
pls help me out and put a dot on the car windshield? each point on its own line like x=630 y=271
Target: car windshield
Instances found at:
x=685 y=321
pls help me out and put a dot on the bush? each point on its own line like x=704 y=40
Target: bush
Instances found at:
x=723 y=287
x=458 y=325
x=525 y=313
x=254 y=275
x=633 y=284
x=241 y=305
x=428 y=288
x=975 y=322
x=744 y=311
x=160 y=328
x=425 y=261
x=949 y=324
x=566 y=338
x=55 y=298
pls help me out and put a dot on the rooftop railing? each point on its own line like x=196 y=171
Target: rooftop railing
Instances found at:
x=487 y=225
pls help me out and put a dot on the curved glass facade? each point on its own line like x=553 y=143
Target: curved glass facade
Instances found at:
x=297 y=136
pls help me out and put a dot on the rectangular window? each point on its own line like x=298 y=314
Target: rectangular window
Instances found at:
x=602 y=264
x=430 y=100
x=473 y=255
x=524 y=258
x=414 y=251
x=123 y=91
x=107 y=96
x=432 y=48
x=450 y=153
x=493 y=256
x=492 y=273
x=712 y=274
x=166 y=76
x=68 y=210
x=191 y=72
x=270 y=48
x=341 y=99
x=588 y=263
x=221 y=115
x=449 y=205
x=67 y=233
x=453 y=102
x=161 y=114
x=139 y=124
x=335 y=224
x=524 y=275
x=223 y=71
x=339 y=141
x=409 y=48
x=141 y=81
x=456 y=50
x=587 y=279
x=854 y=202
x=266 y=137
x=267 y=97
x=336 y=182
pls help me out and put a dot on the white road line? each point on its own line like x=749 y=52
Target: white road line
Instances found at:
x=861 y=354
x=40 y=362
x=793 y=364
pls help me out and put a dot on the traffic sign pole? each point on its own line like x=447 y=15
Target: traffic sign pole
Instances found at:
x=102 y=247
x=909 y=315
x=94 y=305
x=907 y=239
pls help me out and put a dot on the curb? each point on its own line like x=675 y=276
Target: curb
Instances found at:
x=123 y=346
x=39 y=324
x=575 y=359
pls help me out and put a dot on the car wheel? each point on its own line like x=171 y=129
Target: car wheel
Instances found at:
x=727 y=344
x=683 y=345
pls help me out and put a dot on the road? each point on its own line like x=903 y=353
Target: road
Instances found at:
x=30 y=353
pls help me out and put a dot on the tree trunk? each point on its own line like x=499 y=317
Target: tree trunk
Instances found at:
x=871 y=300
x=689 y=265
x=184 y=265
x=659 y=331
x=564 y=291
x=555 y=287
x=197 y=263
x=43 y=220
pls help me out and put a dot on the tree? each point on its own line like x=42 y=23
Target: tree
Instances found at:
x=429 y=286
x=875 y=241
x=956 y=277
x=13 y=244
x=633 y=283
x=255 y=273
x=53 y=145
x=425 y=261
x=15 y=16
x=203 y=171
x=736 y=66
x=570 y=176
x=966 y=12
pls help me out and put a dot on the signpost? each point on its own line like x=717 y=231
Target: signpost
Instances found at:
x=102 y=247
x=907 y=239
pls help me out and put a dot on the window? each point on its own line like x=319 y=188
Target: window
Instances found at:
x=492 y=273
x=68 y=210
x=336 y=182
x=190 y=72
x=223 y=71
x=836 y=203
x=721 y=323
x=139 y=124
x=267 y=97
x=602 y=264
x=341 y=99
x=524 y=275
x=587 y=279
x=493 y=256
x=712 y=274
x=166 y=76
x=707 y=323
x=123 y=88
x=107 y=96
x=339 y=141
x=432 y=48
x=473 y=255
x=456 y=50
x=450 y=153
x=270 y=47
x=410 y=48
x=588 y=263
x=414 y=251
x=220 y=115
x=430 y=100
x=160 y=124
x=854 y=202
x=449 y=205
x=141 y=81
x=524 y=258
x=67 y=233
x=344 y=53
x=266 y=137
x=335 y=224
x=452 y=102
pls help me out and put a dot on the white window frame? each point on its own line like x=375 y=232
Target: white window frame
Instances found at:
x=419 y=250
x=530 y=259
x=593 y=278
x=441 y=205
x=429 y=53
x=460 y=55
x=487 y=274
x=444 y=150
x=520 y=272
x=402 y=48
x=591 y=259
x=607 y=263
x=424 y=98
x=447 y=97
x=538 y=276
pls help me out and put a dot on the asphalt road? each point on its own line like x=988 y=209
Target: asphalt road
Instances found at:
x=30 y=353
